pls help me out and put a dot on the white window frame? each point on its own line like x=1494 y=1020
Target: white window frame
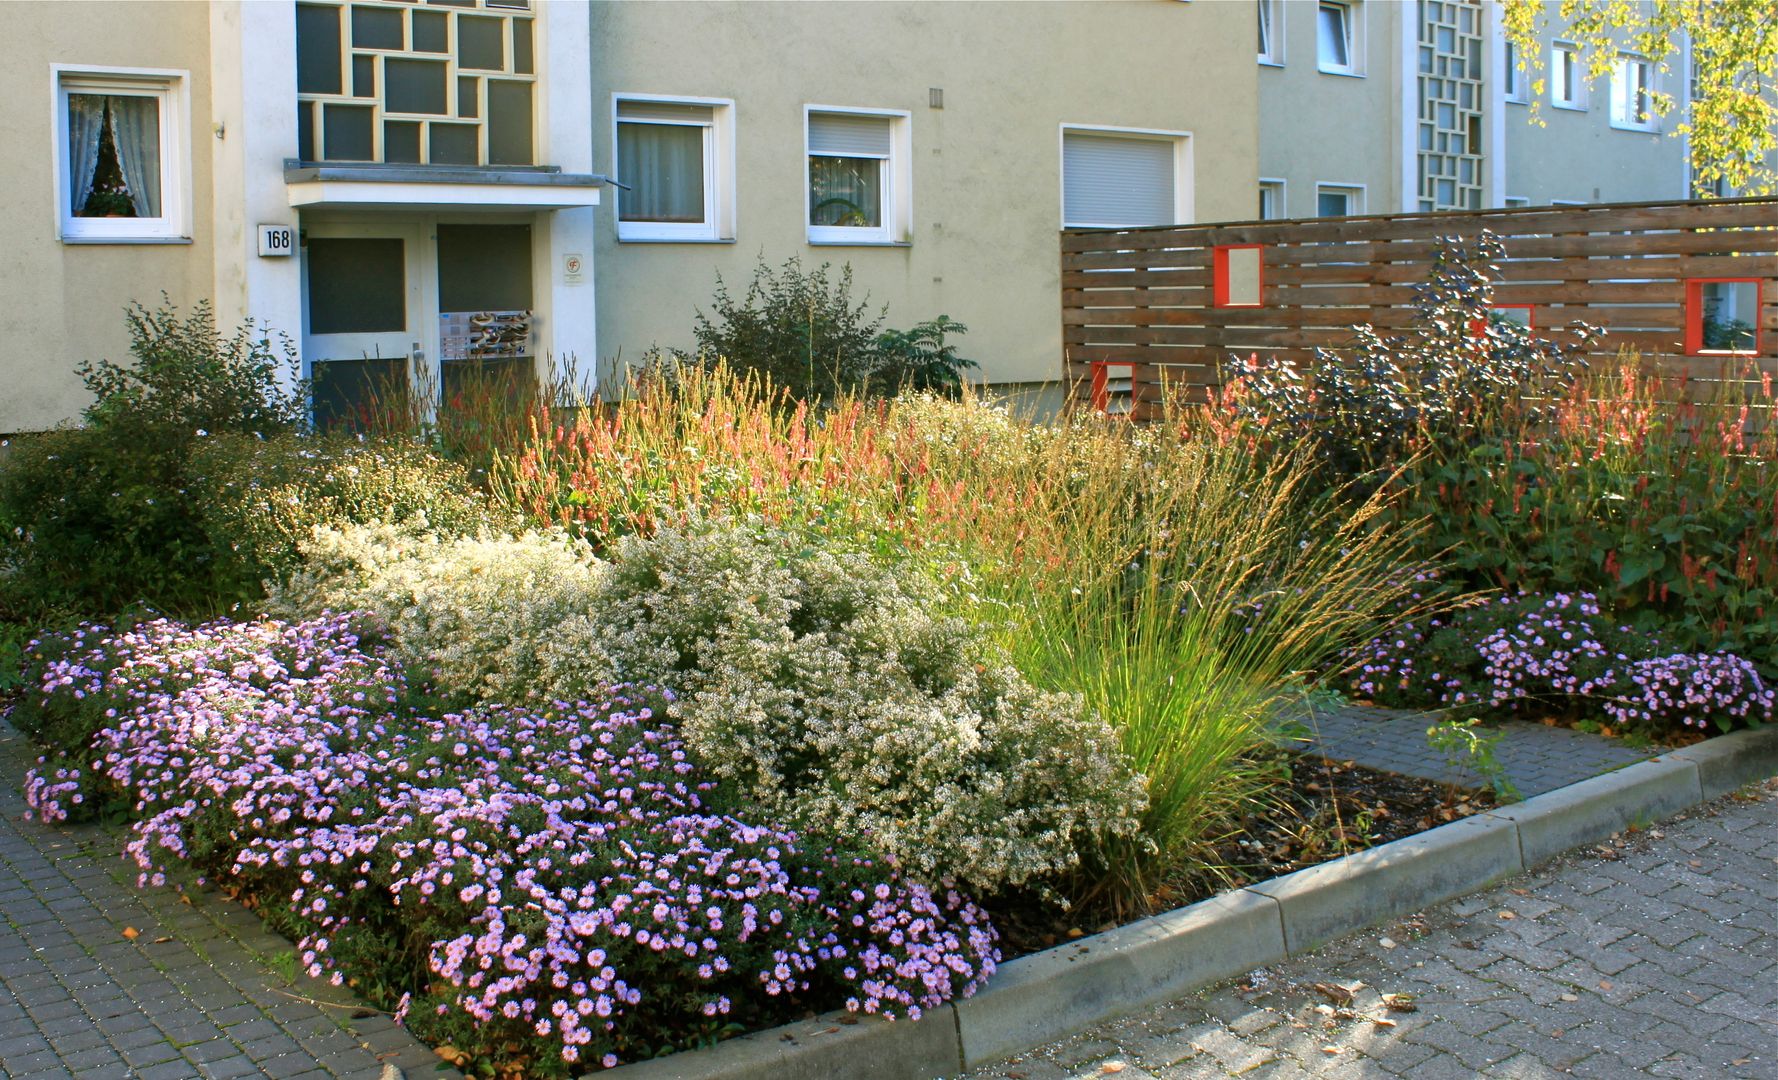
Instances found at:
x=898 y=183
x=1354 y=23
x=718 y=225
x=1272 y=15
x=1574 y=82
x=1278 y=186
x=1184 y=180
x=1621 y=104
x=1355 y=196
x=169 y=86
x=1516 y=80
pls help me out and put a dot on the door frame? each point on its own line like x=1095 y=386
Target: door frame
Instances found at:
x=417 y=343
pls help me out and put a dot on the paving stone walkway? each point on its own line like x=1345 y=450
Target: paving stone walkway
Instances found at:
x=1656 y=955
x=1536 y=758
x=197 y=992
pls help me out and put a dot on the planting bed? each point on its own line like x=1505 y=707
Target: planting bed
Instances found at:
x=1323 y=809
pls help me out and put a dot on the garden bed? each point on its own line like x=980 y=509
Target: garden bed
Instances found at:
x=1321 y=810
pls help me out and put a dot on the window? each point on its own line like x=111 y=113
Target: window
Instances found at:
x=1337 y=40
x=120 y=155
x=858 y=176
x=1515 y=76
x=1512 y=201
x=1631 y=79
x=1271 y=32
x=676 y=158
x=1271 y=200
x=1119 y=178
x=1338 y=200
x=1722 y=315
x=447 y=84
x=1568 y=88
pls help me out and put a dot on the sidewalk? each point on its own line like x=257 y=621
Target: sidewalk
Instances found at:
x=1537 y=758
x=1653 y=956
x=195 y=993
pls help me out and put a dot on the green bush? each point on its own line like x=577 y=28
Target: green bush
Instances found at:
x=821 y=685
x=98 y=518
x=805 y=336
x=260 y=499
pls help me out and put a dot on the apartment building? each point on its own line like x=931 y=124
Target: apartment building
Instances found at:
x=413 y=190
x=1378 y=106
x=405 y=190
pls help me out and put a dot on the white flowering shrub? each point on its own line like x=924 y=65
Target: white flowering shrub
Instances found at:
x=818 y=684
x=470 y=615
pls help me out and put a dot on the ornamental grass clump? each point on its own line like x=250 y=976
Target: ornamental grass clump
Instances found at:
x=1559 y=655
x=542 y=888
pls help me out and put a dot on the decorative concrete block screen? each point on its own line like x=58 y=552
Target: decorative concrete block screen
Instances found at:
x=1692 y=285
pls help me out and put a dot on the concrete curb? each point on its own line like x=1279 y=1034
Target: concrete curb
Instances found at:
x=1050 y=995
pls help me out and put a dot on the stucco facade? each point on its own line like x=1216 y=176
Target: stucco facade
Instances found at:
x=64 y=302
x=1317 y=127
x=986 y=166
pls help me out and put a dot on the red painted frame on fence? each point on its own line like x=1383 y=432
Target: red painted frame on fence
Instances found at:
x=1694 y=315
x=1219 y=266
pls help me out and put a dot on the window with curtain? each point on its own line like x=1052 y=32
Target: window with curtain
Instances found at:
x=666 y=154
x=120 y=158
x=851 y=171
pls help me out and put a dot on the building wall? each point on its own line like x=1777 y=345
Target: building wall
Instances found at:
x=986 y=167
x=64 y=302
x=1317 y=127
x=1567 y=155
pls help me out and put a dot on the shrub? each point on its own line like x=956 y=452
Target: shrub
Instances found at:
x=1661 y=506
x=259 y=499
x=1561 y=655
x=99 y=518
x=821 y=686
x=801 y=331
x=919 y=360
x=1376 y=402
x=537 y=888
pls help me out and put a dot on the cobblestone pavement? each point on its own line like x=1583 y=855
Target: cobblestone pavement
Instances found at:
x=196 y=992
x=1536 y=758
x=1656 y=955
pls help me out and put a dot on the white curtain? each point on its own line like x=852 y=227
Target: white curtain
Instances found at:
x=664 y=166
x=86 y=119
x=846 y=191
x=136 y=133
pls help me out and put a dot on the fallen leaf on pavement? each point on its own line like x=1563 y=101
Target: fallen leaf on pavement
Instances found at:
x=1520 y=892
x=130 y=933
x=1113 y=1067
x=162 y=940
x=1570 y=997
x=1334 y=992
x=1333 y=1049
x=1605 y=984
x=1508 y=915
x=1387 y=943
x=1399 y=1003
x=1381 y=1021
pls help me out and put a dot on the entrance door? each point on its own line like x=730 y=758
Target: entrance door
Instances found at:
x=364 y=304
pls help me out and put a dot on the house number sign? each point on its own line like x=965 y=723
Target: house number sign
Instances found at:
x=276 y=241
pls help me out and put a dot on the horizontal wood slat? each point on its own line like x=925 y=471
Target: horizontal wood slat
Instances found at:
x=1144 y=296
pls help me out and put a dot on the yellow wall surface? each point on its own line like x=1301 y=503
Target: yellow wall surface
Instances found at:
x=986 y=167
x=62 y=303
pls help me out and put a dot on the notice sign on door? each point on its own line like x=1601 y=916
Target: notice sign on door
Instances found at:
x=276 y=241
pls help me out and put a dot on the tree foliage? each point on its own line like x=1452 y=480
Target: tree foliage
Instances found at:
x=1728 y=100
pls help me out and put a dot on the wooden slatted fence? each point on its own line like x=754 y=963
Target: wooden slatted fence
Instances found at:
x=1140 y=304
